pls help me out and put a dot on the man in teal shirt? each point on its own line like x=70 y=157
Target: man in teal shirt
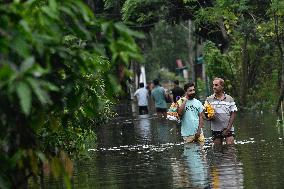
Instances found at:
x=158 y=94
x=190 y=111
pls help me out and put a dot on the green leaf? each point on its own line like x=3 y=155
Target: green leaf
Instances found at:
x=37 y=89
x=105 y=27
x=49 y=13
x=85 y=10
x=25 y=25
x=89 y=110
x=5 y=72
x=20 y=45
x=24 y=94
x=52 y=5
x=122 y=28
x=49 y=86
x=41 y=156
x=124 y=57
x=27 y=64
x=38 y=71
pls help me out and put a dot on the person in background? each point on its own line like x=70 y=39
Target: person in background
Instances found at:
x=177 y=91
x=149 y=87
x=158 y=94
x=142 y=96
x=191 y=112
x=225 y=113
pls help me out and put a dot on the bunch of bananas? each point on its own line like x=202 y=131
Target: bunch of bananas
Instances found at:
x=209 y=110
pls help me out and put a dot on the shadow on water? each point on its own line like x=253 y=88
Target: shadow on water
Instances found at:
x=142 y=151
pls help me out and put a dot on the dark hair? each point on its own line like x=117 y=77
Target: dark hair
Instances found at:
x=186 y=86
x=176 y=82
x=156 y=82
x=141 y=85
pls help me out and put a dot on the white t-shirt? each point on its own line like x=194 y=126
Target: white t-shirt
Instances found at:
x=142 y=96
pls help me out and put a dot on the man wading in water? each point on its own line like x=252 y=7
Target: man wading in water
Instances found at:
x=191 y=112
x=225 y=113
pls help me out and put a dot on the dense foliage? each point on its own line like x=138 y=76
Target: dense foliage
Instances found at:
x=247 y=36
x=58 y=77
x=250 y=60
x=164 y=47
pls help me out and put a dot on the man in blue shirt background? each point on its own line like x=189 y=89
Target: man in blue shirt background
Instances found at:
x=159 y=97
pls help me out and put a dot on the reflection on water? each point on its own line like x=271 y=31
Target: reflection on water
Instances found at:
x=225 y=170
x=196 y=162
x=191 y=170
x=147 y=152
x=143 y=127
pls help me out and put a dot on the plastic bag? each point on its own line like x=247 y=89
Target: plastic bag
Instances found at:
x=172 y=113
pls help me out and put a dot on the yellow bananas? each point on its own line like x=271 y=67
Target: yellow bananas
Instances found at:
x=209 y=110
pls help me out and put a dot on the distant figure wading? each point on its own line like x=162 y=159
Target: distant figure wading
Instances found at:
x=158 y=94
x=142 y=95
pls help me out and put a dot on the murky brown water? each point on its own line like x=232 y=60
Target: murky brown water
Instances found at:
x=146 y=152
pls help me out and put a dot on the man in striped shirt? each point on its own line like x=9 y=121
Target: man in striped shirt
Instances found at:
x=225 y=113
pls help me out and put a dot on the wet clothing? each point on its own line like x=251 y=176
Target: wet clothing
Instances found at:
x=143 y=110
x=158 y=93
x=190 y=117
x=223 y=109
x=189 y=139
x=219 y=135
x=177 y=91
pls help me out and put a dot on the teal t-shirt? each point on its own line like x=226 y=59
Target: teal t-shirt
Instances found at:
x=190 y=118
x=158 y=93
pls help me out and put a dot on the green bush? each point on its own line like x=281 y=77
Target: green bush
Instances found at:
x=57 y=80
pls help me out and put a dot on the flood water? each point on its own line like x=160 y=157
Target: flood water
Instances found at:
x=146 y=152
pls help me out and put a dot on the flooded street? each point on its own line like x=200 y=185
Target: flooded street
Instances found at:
x=146 y=152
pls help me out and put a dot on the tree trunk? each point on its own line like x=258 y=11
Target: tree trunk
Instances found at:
x=190 y=51
x=244 y=79
x=226 y=44
x=280 y=99
x=279 y=45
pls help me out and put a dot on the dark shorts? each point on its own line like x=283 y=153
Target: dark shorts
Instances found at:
x=143 y=110
x=161 y=110
x=218 y=134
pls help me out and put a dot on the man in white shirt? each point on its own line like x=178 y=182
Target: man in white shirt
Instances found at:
x=142 y=97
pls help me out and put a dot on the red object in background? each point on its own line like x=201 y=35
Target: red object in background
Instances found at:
x=179 y=63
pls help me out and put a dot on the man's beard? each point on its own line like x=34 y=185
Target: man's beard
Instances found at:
x=191 y=96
